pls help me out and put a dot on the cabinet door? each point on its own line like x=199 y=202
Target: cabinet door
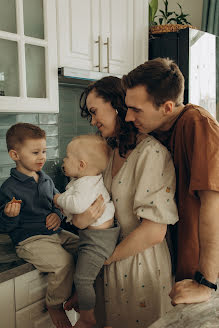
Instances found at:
x=28 y=57
x=34 y=316
x=124 y=31
x=7 y=306
x=106 y=36
x=117 y=35
x=141 y=33
x=78 y=31
x=29 y=288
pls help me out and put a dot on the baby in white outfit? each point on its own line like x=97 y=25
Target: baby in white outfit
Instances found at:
x=87 y=157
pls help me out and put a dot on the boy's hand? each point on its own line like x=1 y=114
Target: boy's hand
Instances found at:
x=53 y=221
x=55 y=199
x=12 y=209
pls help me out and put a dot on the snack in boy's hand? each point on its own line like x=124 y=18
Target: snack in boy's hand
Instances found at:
x=19 y=201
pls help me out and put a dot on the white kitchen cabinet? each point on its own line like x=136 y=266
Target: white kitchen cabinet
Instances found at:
x=34 y=316
x=102 y=35
x=75 y=19
x=30 y=306
x=28 y=57
x=22 y=302
x=7 y=304
x=31 y=312
x=29 y=288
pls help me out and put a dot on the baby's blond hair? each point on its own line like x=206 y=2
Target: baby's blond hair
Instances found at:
x=93 y=149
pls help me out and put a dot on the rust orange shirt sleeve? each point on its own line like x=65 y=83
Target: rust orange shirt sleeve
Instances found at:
x=202 y=148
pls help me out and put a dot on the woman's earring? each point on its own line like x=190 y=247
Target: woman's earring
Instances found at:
x=116 y=112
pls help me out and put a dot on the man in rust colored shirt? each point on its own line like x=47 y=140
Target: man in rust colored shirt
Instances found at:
x=154 y=97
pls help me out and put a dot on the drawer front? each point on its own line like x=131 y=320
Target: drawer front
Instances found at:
x=34 y=316
x=7 y=307
x=29 y=288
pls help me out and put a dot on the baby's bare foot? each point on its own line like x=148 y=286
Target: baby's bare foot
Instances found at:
x=72 y=303
x=83 y=324
x=87 y=319
x=59 y=318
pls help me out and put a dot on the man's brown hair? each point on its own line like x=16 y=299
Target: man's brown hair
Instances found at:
x=161 y=78
x=20 y=132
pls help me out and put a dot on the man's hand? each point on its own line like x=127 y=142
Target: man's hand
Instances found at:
x=53 y=221
x=12 y=209
x=189 y=291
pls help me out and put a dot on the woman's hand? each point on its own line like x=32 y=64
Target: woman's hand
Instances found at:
x=109 y=260
x=91 y=215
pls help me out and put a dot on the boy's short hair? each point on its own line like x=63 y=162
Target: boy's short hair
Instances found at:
x=161 y=78
x=20 y=132
x=95 y=149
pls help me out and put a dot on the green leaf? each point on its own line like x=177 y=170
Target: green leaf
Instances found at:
x=162 y=12
x=153 y=6
x=160 y=21
x=169 y=13
x=171 y=20
x=179 y=6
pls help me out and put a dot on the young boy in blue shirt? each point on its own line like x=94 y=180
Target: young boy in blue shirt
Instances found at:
x=28 y=215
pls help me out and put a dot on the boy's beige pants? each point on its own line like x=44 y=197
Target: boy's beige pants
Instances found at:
x=53 y=254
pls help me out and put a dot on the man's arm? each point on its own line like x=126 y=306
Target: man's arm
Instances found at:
x=189 y=291
x=209 y=234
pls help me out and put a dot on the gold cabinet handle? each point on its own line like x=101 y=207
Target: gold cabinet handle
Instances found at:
x=107 y=51
x=98 y=42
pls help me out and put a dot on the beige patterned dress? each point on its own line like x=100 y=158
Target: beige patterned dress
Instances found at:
x=136 y=289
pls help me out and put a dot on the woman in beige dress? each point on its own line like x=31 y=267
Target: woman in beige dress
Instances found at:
x=141 y=180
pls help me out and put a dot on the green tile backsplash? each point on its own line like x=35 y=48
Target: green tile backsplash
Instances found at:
x=60 y=128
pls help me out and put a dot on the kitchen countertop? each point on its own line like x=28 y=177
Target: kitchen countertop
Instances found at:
x=200 y=315
x=11 y=266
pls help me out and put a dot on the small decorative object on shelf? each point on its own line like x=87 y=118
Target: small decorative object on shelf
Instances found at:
x=168 y=21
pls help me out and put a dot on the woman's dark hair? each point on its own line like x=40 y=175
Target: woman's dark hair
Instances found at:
x=110 y=90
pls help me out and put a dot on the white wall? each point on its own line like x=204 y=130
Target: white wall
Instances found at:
x=191 y=7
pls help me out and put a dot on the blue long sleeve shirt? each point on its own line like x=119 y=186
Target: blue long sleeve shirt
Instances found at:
x=37 y=204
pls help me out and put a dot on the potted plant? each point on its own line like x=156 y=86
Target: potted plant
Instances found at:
x=165 y=20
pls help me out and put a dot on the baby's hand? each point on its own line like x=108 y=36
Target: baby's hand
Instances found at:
x=53 y=221
x=55 y=199
x=13 y=208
